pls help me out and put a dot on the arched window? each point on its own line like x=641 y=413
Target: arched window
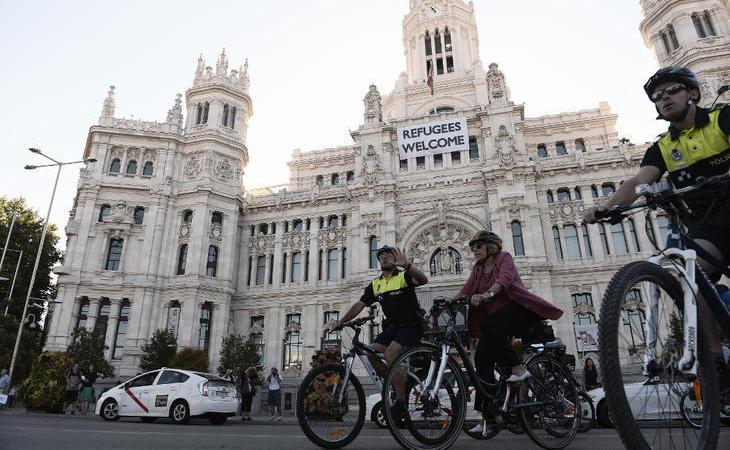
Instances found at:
x=206 y=319
x=578 y=193
x=211 y=267
x=114 y=255
x=594 y=191
x=138 y=215
x=132 y=167
x=560 y=148
x=264 y=228
x=446 y=263
x=580 y=145
x=542 y=151
x=121 y=332
x=182 y=259
x=350 y=176
x=563 y=195
x=549 y=196
x=558 y=245
x=607 y=189
x=216 y=218
x=147 y=169
x=225 y=115
x=437 y=42
x=319 y=181
x=206 y=109
x=116 y=166
x=571 y=241
x=373 y=243
x=335 y=179
x=448 y=49
x=83 y=314
x=427 y=41
x=332 y=221
x=188 y=217
x=517 y=238
x=104 y=212
x=473 y=149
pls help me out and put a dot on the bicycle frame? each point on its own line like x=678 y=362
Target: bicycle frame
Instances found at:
x=360 y=350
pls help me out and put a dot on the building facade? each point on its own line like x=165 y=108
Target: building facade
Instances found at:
x=163 y=235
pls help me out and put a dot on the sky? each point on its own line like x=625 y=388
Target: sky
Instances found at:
x=310 y=65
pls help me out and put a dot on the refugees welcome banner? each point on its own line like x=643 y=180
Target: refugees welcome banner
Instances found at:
x=432 y=138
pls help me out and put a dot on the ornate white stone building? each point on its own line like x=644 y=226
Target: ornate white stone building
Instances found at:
x=163 y=235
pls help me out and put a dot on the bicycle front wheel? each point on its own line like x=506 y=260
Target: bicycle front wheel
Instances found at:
x=430 y=420
x=646 y=405
x=330 y=412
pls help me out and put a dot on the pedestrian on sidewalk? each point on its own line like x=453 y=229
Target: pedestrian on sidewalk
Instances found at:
x=247 y=392
x=73 y=382
x=274 y=381
x=86 y=391
x=4 y=385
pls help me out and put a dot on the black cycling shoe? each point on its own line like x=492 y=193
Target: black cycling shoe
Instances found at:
x=399 y=412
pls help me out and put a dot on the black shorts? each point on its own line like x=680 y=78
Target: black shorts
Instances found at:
x=405 y=336
x=715 y=228
x=71 y=396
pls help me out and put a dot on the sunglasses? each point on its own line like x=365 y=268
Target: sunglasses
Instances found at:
x=671 y=90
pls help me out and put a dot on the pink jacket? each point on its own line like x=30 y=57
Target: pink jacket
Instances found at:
x=513 y=290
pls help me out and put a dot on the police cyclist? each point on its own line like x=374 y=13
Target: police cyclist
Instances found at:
x=394 y=289
x=696 y=145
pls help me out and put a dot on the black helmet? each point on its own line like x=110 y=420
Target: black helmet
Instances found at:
x=485 y=236
x=383 y=249
x=672 y=73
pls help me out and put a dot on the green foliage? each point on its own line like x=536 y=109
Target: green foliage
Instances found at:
x=45 y=388
x=30 y=347
x=26 y=236
x=191 y=359
x=238 y=353
x=88 y=348
x=159 y=351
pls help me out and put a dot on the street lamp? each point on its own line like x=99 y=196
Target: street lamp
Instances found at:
x=40 y=245
x=12 y=286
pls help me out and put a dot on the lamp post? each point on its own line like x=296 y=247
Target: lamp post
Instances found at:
x=7 y=240
x=12 y=286
x=60 y=165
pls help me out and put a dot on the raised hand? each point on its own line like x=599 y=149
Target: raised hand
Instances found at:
x=399 y=257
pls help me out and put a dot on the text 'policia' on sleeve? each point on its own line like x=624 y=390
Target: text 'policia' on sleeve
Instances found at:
x=433 y=138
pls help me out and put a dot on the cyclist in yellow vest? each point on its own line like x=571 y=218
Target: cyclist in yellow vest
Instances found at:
x=696 y=144
x=395 y=290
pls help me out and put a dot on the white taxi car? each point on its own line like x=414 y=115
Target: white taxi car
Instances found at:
x=174 y=393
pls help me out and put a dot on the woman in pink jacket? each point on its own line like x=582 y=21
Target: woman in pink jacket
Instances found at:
x=501 y=307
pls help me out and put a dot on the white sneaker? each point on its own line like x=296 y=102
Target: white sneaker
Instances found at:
x=521 y=377
x=479 y=428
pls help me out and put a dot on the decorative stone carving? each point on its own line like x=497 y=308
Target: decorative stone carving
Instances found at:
x=175 y=115
x=373 y=106
x=332 y=237
x=566 y=212
x=371 y=169
x=442 y=235
x=295 y=241
x=506 y=149
x=108 y=109
x=584 y=309
x=293 y=327
x=224 y=170
x=184 y=233
x=261 y=245
x=193 y=167
x=513 y=207
x=372 y=222
x=498 y=92
x=120 y=213
x=216 y=232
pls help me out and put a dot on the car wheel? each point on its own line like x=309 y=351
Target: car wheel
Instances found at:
x=218 y=419
x=604 y=416
x=110 y=410
x=148 y=419
x=180 y=412
x=377 y=416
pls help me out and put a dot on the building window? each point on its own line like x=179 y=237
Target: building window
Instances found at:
x=604 y=239
x=182 y=259
x=542 y=151
x=260 y=270
x=634 y=236
x=264 y=228
x=343 y=271
x=672 y=37
x=707 y=20
x=619 y=239
x=446 y=263
x=250 y=270
x=594 y=191
x=114 y=256
x=583 y=298
x=584 y=319
x=373 y=247
x=293 y=343
x=560 y=148
x=633 y=321
x=296 y=267
x=578 y=193
x=586 y=240
x=271 y=269
x=320 y=264
x=138 y=215
x=104 y=212
x=187 y=217
x=116 y=166
x=427 y=41
x=580 y=145
x=571 y=241
x=332 y=221
x=283 y=268
x=102 y=321
x=332 y=316
x=703 y=24
x=216 y=218
x=607 y=189
x=225 y=115
x=438 y=160
x=455 y=158
x=350 y=176
x=83 y=314
x=211 y=267
x=563 y=195
x=121 y=334
x=558 y=245
x=335 y=181
x=517 y=238
x=147 y=169
x=420 y=162
x=206 y=109
x=258 y=338
x=297 y=225
x=549 y=196
x=332 y=264
x=206 y=318
x=473 y=149
x=132 y=167
x=403 y=165
x=319 y=181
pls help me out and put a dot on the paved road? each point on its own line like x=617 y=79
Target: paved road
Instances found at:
x=38 y=431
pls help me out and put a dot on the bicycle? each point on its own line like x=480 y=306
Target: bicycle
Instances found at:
x=330 y=399
x=662 y=349
x=546 y=404
x=692 y=406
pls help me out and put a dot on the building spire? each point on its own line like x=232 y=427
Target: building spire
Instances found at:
x=243 y=80
x=200 y=69
x=174 y=115
x=108 y=109
x=221 y=67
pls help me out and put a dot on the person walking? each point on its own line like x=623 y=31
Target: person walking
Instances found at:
x=247 y=393
x=4 y=385
x=86 y=390
x=73 y=382
x=274 y=381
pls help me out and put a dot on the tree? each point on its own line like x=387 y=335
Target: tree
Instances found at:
x=29 y=349
x=88 y=348
x=45 y=387
x=238 y=353
x=191 y=359
x=26 y=236
x=159 y=351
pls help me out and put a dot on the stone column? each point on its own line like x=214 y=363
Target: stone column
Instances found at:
x=111 y=329
x=93 y=313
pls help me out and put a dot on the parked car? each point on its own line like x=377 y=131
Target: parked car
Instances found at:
x=649 y=400
x=174 y=393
